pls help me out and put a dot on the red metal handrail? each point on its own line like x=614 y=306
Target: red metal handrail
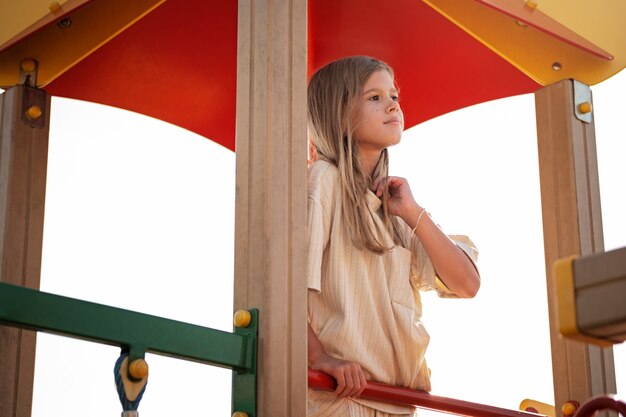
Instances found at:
x=596 y=404
x=405 y=396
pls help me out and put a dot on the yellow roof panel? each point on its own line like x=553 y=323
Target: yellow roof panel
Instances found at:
x=549 y=40
x=57 y=47
x=27 y=16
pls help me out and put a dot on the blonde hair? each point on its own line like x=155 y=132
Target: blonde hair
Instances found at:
x=334 y=94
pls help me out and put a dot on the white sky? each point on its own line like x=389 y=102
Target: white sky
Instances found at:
x=139 y=215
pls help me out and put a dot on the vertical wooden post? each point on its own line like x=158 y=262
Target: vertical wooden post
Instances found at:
x=23 y=165
x=572 y=224
x=270 y=231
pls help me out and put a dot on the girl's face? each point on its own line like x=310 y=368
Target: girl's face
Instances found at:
x=379 y=120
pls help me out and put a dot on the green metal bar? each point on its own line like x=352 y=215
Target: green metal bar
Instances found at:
x=138 y=332
x=244 y=382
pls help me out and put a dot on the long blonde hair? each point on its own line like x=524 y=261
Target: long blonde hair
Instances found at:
x=334 y=94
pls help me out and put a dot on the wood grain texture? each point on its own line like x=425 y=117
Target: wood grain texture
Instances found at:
x=572 y=224
x=270 y=231
x=23 y=167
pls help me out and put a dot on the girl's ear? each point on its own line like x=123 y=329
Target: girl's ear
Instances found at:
x=312 y=153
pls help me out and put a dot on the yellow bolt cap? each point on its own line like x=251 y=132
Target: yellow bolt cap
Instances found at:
x=242 y=318
x=138 y=369
x=54 y=6
x=568 y=408
x=585 y=107
x=531 y=4
x=28 y=65
x=33 y=112
x=240 y=414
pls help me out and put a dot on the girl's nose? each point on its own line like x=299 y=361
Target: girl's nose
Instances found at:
x=393 y=106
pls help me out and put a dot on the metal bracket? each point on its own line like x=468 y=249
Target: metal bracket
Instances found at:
x=583 y=104
x=245 y=380
x=139 y=333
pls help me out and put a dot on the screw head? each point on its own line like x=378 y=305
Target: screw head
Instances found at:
x=64 y=23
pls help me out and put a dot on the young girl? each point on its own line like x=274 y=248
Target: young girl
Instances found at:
x=371 y=245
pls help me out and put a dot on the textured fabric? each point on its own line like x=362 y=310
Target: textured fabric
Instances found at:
x=324 y=404
x=366 y=307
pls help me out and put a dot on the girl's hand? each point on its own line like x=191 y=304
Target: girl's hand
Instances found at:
x=350 y=377
x=453 y=266
x=400 y=202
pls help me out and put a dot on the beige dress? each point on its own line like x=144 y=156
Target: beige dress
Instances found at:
x=366 y=307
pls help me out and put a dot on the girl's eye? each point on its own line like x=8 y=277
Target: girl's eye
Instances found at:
x=377 y=98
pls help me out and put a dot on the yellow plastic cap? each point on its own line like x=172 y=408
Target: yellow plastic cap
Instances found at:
x=28 y=65
x=531 y=4
x=33 y=112
x=585 y=107
x=54 y=6
x=569 y=408
x=242 y=318
x=138 y=369
x=240 y=414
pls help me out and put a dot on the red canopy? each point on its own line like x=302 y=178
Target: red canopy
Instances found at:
x=179 y=63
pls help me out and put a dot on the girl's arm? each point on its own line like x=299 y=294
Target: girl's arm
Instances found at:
x=453 y=266
x=349 y=375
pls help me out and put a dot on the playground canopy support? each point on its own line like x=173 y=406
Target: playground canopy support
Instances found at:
x=24 y=126
x=572 y=225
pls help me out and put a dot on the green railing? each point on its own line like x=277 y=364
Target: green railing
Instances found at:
x=139 y=333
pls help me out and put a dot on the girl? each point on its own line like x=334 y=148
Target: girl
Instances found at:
x=371 y=245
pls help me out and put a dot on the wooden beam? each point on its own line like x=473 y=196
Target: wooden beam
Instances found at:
x=572 y=224
x=270 y=213
x=23 y=166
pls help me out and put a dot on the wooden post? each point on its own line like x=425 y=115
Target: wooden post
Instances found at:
x=572 y=224
x=270 y=218
x=23 y=165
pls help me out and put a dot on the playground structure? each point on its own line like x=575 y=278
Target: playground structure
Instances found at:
x=583 y=284
x=424 y=400
x=266 y=147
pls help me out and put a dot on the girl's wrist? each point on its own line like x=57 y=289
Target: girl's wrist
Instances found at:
x=411 y=214
x=422 y=213
x=317 y=360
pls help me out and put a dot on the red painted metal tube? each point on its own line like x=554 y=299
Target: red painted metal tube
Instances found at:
x=596 y=404
x=405 y=396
